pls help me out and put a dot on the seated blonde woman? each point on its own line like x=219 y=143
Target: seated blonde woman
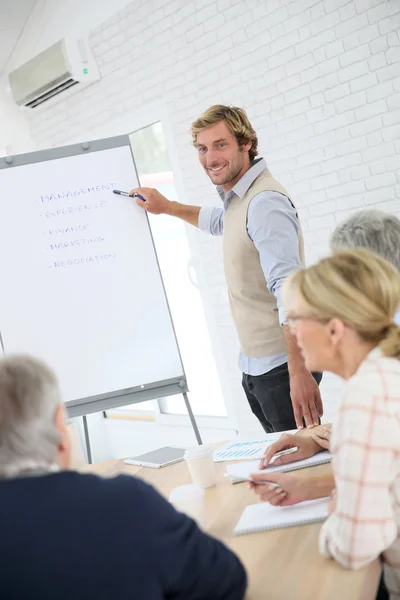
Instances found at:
x=341 y=311
x=373 y=230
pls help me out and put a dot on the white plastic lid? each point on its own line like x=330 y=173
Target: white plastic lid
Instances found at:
x=198 y=452
x=191 y=491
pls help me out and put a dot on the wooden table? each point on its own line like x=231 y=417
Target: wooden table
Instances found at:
x=283 y=564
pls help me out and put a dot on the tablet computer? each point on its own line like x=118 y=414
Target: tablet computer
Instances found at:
x=156 y=459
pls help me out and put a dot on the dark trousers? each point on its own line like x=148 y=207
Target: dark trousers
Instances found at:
x=269 y=398
x=382 y=593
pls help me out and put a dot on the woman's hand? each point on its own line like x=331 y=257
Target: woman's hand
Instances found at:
x=283 y=489
x=322 y=435
x=302 y=446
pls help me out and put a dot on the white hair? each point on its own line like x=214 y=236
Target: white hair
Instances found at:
x=373 y=230
x=29 y=396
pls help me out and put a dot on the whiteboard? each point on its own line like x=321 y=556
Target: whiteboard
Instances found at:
x=80 y=282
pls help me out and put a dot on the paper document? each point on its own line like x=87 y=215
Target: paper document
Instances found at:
x=247 y=449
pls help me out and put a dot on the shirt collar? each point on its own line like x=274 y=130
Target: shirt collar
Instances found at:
x=242 y=186
x=374 y=354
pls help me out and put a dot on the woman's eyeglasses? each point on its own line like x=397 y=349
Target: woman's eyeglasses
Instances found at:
x=292 y=319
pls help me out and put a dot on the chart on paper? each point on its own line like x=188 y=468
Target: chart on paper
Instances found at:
x=247 y=449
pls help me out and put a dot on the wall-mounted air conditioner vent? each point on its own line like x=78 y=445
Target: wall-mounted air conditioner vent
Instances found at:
x=64 y=65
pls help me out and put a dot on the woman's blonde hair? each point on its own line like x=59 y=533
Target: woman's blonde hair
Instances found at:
x=237 y=122
x=358 y=287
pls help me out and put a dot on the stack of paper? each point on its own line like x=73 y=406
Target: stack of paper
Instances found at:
x=241 y=471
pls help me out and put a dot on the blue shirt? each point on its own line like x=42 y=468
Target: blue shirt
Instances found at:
x=273 y=226
x=67 y=535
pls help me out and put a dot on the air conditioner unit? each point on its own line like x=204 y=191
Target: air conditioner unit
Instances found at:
x=65 y=65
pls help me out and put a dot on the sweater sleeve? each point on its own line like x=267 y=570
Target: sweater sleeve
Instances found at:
x=191 y=564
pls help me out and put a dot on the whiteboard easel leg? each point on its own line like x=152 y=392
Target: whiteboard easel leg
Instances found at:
x=192 y=419
x=87 y=440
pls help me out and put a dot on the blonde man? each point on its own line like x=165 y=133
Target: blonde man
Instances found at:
x=262 y=245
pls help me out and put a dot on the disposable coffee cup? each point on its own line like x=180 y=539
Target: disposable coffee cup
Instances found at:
x=201 y=465
x=189 y=499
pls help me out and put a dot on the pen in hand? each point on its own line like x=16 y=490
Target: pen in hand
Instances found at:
x=277 y=455
x=121 y=193
x=270 y=483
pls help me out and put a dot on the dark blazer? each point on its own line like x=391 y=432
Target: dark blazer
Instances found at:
x=69 y=536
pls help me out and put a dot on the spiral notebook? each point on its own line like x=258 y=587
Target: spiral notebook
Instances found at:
x=265 y=517
x=241 y=471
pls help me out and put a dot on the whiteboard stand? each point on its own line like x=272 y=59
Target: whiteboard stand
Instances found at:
x=89 y=262
x=191 y=416
x=87 y=440
x=192 y=419
x=85 y=406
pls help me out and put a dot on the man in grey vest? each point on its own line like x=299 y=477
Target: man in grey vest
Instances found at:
x=262 y=245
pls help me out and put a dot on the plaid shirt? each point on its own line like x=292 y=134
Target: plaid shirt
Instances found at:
x=366 y=463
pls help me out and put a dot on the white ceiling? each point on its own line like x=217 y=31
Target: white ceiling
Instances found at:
x=13 y=16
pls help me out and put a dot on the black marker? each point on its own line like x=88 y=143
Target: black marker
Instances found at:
x=121 y=193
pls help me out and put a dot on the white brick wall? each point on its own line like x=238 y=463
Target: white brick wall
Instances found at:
x=320 y=80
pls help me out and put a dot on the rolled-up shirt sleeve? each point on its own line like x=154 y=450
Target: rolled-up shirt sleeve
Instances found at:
x=273 y=226
x=211 y=220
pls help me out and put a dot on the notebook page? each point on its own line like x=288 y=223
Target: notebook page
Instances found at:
x=263 y=516
x=241 y=471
